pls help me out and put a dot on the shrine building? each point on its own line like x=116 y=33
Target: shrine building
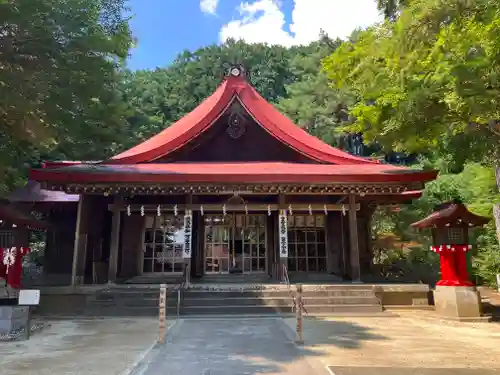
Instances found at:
x=234 y=187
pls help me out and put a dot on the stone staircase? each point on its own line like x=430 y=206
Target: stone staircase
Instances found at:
x=234 y=299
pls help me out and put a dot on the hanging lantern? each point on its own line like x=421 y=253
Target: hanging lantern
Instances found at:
x=128 y=210
x=310 y=210
x=246 y=209
x=201 y=211
x=290 y=211
x=326 y=210
x=268 y=210
x=158 y=210
x=344 y=211
x=176 y=212
x=142 y=210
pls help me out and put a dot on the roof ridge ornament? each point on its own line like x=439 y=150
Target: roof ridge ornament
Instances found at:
x=237 y=70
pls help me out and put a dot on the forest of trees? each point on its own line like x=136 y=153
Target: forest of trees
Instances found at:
x=425 y=82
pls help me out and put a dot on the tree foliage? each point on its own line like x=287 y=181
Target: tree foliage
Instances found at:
x=311 y=103
x=59 y=61
x=429 y=79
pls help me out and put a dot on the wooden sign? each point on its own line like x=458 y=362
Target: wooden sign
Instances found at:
x=188 y=230
x=283 y=234
x=29 y=297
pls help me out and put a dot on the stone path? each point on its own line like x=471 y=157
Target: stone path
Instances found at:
x=227 y=347
x=80 y=347
x=412 y=344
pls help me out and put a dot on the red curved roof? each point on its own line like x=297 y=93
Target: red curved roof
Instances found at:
x=246 y=172
x=265 y=114
x=451 y=213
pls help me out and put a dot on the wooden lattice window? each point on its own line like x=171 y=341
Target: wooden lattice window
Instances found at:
x=455 y=235
x=7 y=238
x=163 y=244
x=306 y=243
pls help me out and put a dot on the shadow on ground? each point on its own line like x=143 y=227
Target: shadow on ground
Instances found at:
x=342 y=334
x=248 y=346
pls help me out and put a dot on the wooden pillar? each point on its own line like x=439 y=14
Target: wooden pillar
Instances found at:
x=80 y=244
x=344 y=246
x=353 y=240
x=200 y=245
x=272 y=256
x=333 y=243
x=115 y=241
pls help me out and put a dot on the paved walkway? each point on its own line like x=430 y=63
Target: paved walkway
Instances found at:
x=416 y=343
x=227 y=347
x=81 y=347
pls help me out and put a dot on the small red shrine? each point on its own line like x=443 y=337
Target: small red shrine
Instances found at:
x=450 y=224
x=14 y=242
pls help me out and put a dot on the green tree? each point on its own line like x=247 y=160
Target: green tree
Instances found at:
x=311 y=102
x=58 y=74
x=391 y=8
x=427 y=77
x=428 y=82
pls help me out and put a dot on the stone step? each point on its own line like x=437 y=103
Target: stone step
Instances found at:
x=272 y=301
x=229 y=310
x=196 y=294
x=276 y=293
x=239 y=301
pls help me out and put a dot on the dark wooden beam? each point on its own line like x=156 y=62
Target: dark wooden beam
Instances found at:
x=353 y=239
x=115 y=240
x=298 y=207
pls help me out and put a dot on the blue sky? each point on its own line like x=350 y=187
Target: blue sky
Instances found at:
x=164 y=28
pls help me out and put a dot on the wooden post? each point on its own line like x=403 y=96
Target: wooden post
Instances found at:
x=76 y=248
x=162 y=313
x=353 y=240
x=298 y=311
x=115 y=242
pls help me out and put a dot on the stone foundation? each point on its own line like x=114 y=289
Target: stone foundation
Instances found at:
x=462 y=303
x=13 y=318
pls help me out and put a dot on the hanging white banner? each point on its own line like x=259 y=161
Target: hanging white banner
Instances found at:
x=283 y=234
x=188 y=230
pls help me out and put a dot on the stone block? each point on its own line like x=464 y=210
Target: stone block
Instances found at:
x=13 y=318
x=461 y=303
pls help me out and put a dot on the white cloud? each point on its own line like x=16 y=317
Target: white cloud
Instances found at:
x=264 y=21
x=209 y=6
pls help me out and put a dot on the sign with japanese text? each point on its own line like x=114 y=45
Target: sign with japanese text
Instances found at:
x=188 y=230
x=283 y=234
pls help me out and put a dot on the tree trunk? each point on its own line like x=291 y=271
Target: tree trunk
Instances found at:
x=496 y=215
x=496 y=207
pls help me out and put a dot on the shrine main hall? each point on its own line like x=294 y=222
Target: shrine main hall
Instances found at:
x=234 y=187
